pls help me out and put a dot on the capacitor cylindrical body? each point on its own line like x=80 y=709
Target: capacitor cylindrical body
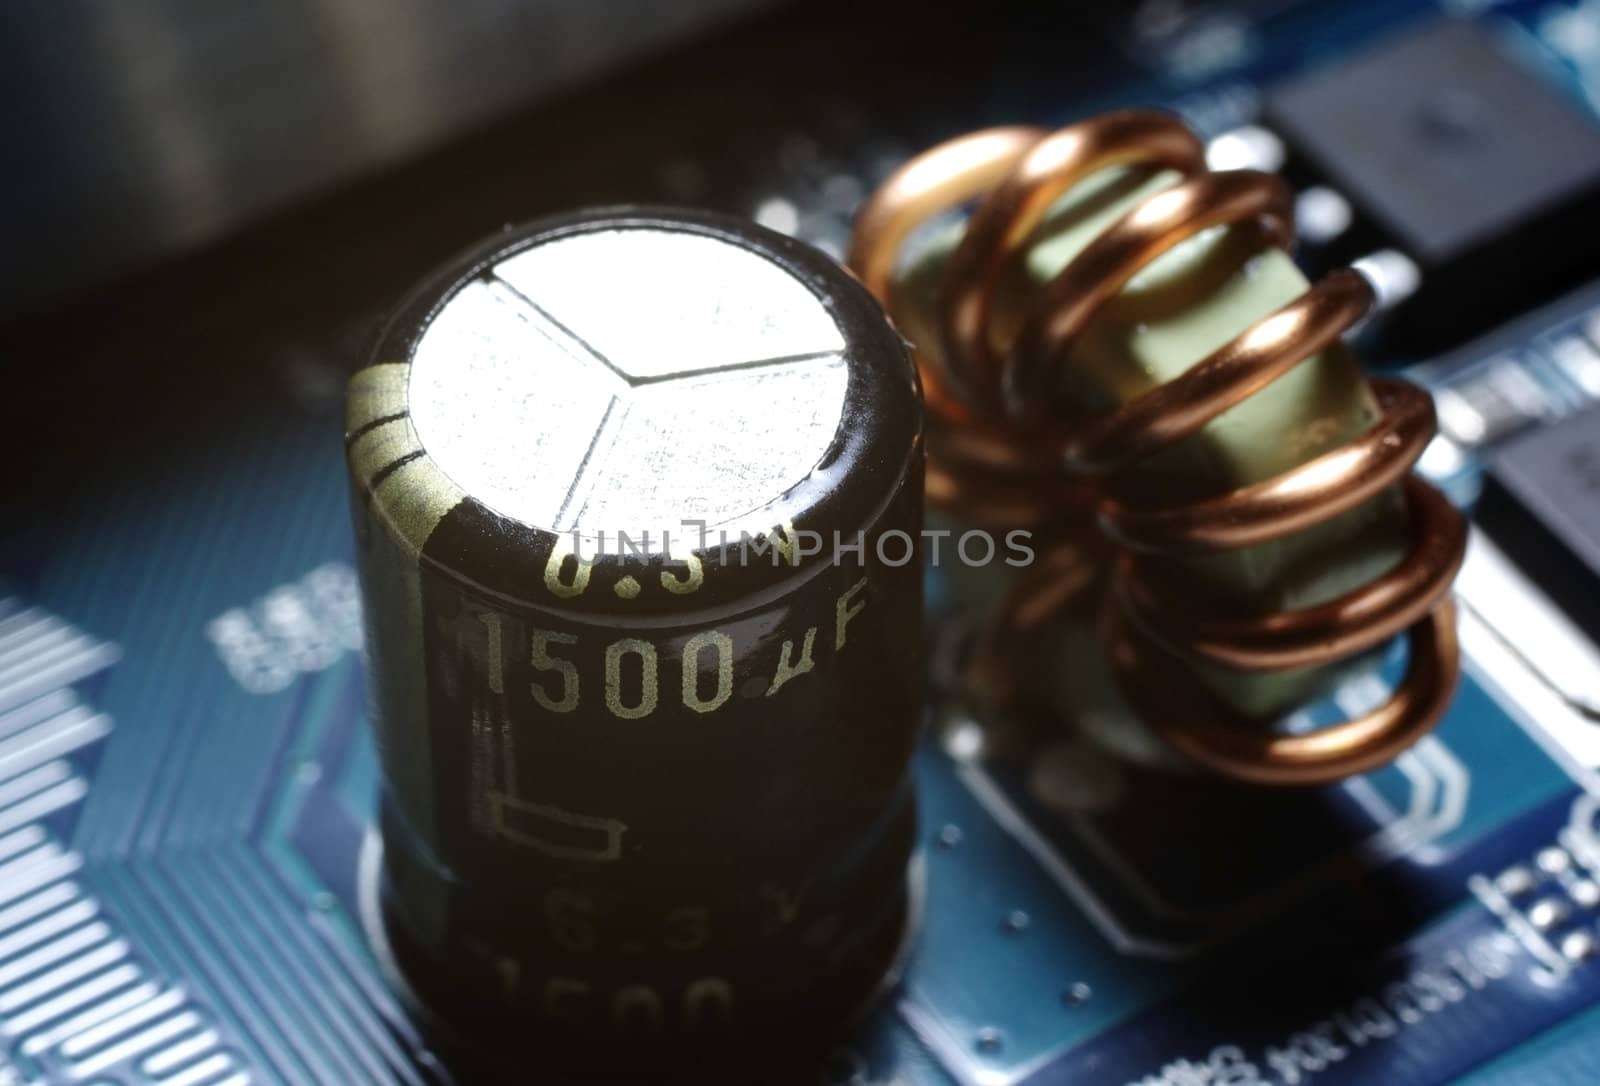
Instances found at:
x=643 y=654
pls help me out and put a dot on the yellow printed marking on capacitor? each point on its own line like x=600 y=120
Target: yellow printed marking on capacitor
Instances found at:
x=556 y=682
x=788 y=667
x=693 y=577
x=376 y=392
x=787 y=542
x=408 y=491
x=704 y=995
x=543 y=661
x=557 y=832
x=494 y=654
x=378 y=449
x=646 y=652
x=843 y=612
x=723 y=646
x=553 y=576
x=413 y=498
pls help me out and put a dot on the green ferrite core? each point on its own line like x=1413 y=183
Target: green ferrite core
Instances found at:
x=1183 y=305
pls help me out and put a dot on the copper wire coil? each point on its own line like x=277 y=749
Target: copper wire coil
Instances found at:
x=994 y=489
x=979 y=463
x=1007 y=438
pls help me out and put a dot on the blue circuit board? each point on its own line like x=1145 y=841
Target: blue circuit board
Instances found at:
x=187 y=778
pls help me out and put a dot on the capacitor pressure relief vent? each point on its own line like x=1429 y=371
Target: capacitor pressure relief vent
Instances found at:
x=645 y=687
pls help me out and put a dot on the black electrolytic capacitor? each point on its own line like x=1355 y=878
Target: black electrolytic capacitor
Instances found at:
x=635 y=497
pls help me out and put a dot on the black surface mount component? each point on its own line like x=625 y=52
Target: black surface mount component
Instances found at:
x=1459 y=155
x=1542 y=503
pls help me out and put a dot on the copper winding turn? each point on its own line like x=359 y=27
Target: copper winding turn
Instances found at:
x=1000 y=442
